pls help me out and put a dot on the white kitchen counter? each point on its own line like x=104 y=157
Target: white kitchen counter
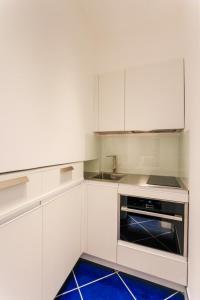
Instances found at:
x=136 y=185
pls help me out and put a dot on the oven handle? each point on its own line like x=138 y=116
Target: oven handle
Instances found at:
x=152 y=214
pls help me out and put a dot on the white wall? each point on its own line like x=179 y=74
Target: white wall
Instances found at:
x=142 y=153
x=158 y=154
x=129 y=32
x=192 y=57
x=45 y=83
x=46 y=59
x=184 y=157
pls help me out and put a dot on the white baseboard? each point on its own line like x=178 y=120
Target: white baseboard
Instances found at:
x=135 y=273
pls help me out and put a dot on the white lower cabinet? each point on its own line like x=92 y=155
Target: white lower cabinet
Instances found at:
x=102 y=220
x=154 y=262
x=21 y=257
x=61 y=240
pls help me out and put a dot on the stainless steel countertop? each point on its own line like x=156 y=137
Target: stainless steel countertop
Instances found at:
x=134 y=179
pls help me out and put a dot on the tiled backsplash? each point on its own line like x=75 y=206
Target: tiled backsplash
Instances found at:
x=158 y=154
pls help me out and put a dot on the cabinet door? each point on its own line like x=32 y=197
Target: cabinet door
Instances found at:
x=111 y=101
x=21 y=257
x=102 y=221
x=62 y=239
x=155 y=97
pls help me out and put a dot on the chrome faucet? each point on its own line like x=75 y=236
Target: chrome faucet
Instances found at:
x=114 y=168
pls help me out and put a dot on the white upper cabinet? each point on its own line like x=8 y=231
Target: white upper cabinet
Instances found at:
x=143 y=98
x=111 y=101
x=155 y=97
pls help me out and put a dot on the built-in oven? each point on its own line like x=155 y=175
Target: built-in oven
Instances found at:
x=154 y=223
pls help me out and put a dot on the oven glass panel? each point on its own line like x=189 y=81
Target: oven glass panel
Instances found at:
x=150 y=231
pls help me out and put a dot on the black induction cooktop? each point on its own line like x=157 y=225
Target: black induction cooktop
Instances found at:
x=163 y=181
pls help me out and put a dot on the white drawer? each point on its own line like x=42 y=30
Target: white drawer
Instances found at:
x=33 y=184
x=57 y=176
x=168 y=194
x=21 y=193
x=153 y=262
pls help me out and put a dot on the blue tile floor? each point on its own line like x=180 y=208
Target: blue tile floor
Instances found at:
x=89 y=281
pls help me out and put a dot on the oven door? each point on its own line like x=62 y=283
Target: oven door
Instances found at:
x=149 y=228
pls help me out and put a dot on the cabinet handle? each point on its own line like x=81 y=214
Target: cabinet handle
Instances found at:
x=152 y=214
x=6 y=184
x=67 y=169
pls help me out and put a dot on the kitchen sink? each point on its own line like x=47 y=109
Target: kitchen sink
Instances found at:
x=108 y=176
